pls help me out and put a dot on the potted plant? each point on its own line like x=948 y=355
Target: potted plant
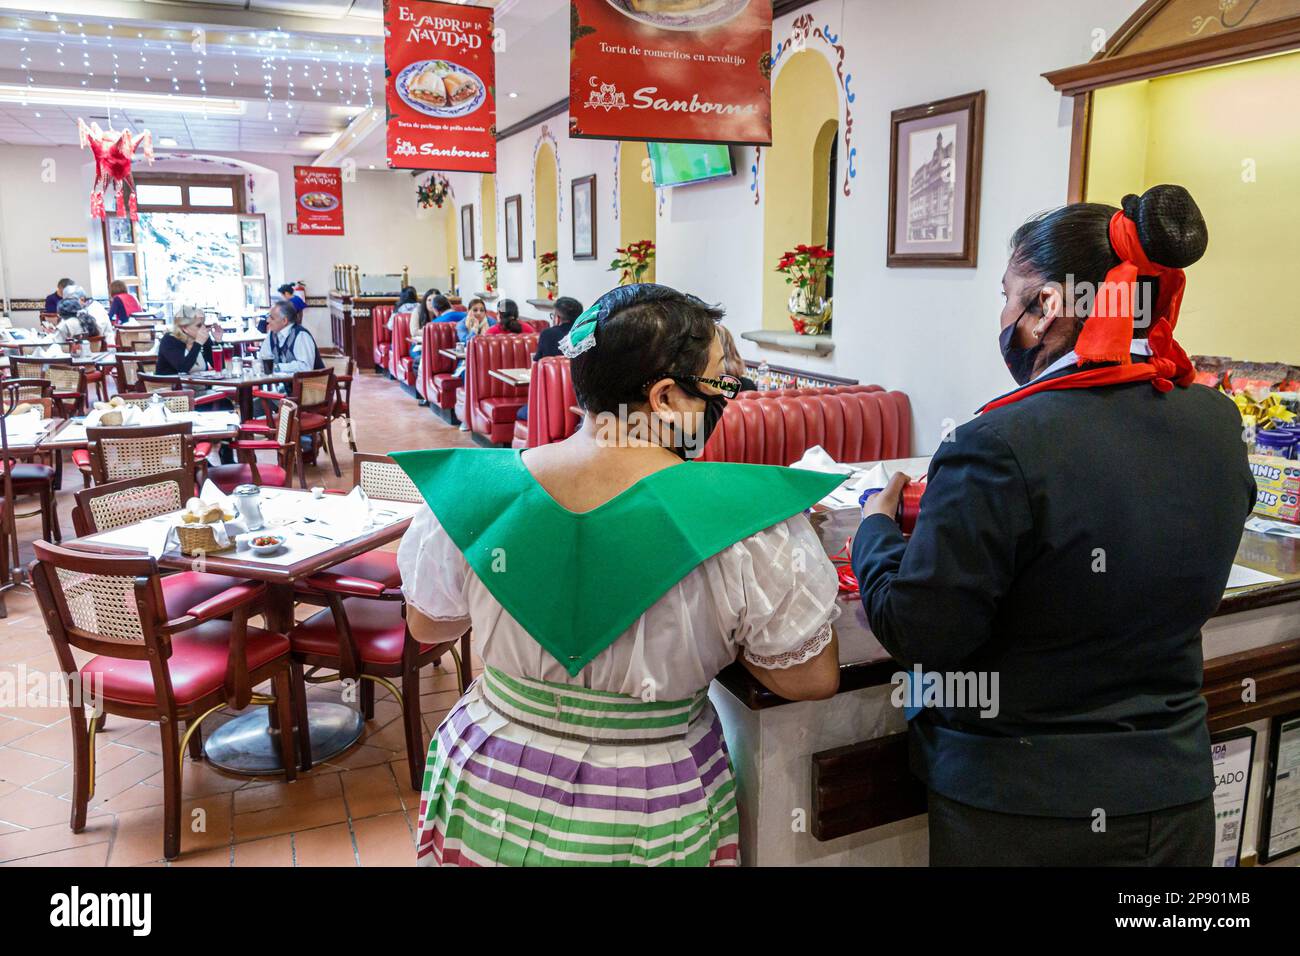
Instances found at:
x=806 y=268
x=489 y=262
x=634 y=261
x=548 y=266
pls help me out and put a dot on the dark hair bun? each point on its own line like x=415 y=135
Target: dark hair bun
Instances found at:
x=1170 y=225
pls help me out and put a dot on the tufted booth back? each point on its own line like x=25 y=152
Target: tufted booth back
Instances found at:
x=484 y=353
x=379 y=316
x=550 y=396
x=399 y=350
x=853 y=423
x=435 y=335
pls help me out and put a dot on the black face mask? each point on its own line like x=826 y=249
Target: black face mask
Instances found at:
x=1020 y=361
x=714 y=406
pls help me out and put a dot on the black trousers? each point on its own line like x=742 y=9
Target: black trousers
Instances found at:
x=962 y=835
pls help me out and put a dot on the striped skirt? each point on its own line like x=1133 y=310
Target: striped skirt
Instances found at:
x=525 y=772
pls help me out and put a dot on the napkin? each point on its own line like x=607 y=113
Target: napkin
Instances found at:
x=213 y=495
x=816 y=459
x=152 y=415
x=341 y=517
x=51 y=351
x=131 y=415
x=1266 y=526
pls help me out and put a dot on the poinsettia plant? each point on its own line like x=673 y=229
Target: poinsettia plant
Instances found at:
x=489 y=262
x=807 y=268
x=433 y=192
x=634 y=261
x=548 y=266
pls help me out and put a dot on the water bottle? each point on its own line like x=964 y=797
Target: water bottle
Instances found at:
x=764 y=374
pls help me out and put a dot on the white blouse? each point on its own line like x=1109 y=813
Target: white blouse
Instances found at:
x=771 y=595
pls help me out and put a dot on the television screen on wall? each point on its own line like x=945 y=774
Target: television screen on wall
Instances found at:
x=679 y=164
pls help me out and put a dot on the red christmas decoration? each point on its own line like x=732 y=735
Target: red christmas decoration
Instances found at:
x=114 y=153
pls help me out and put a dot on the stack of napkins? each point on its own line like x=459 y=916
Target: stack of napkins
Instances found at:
x=51 y=351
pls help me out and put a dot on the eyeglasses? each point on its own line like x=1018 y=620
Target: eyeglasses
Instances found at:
x=728 y=385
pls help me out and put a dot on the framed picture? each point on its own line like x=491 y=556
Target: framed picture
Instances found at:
x=514 y=235
x=1279 y=832
x=935 y=157
x=584 y=217
x=1231 y=754
x=467 y=232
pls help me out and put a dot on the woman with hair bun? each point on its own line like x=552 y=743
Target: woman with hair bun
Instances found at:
x=589 y=738
x=1073 y=540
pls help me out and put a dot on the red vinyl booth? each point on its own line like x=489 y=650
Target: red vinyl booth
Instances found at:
x=399 y=353
x=550 y=396
x=382 y=338
x=435 y=382
x=487 y=404
x=853 y=423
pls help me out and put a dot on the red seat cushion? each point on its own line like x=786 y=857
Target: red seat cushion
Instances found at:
x=377 y=627
x=310 y=421
x=202 y=449
x=81 y=458
x=378 y=566
x=502 y=410
x=197 y=665
x=94 y=376
x=182 y=591
x=230 y=477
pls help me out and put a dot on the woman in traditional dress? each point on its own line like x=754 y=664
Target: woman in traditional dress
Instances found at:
x=608 y=580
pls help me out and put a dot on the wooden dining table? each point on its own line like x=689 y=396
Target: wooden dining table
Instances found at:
x=70 y=434
x=243 y=384
x=512 y=376
x=321 y=532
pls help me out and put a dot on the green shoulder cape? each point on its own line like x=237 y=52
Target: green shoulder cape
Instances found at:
x=576 y=581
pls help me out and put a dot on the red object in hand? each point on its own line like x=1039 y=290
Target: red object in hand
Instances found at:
x=909 y=508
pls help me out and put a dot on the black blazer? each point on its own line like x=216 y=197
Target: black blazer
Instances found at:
x=548 y=340
x=1072 y=543
x=175 y=359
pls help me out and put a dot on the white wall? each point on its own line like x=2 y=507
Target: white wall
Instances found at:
x=44 y=192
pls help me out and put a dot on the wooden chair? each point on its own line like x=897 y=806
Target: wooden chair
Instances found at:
x=313 y=392
x=343 y=401
x=177 y=401
x=37 y=477
x=134 y=340
x=248 y=471
x=129 y=368
x=152 y=664
x=120 y=453
x=70 y=388
x=171 y=383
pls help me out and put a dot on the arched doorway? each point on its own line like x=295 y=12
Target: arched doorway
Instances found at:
x=636 y=199
x=799 y=203
x=546 y=222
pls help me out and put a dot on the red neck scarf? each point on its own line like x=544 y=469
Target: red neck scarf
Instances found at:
x=1107 y=336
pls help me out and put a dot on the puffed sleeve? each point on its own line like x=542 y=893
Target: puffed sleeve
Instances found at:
x=779 y=591
x=433 y=569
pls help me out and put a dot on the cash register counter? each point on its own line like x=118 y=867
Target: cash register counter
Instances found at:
x=826 y=782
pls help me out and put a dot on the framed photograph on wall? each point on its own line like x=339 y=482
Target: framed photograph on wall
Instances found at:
x=935 y=160
x=514 y=226
x=1279 y=832
x=584 y=217
x=467 y=232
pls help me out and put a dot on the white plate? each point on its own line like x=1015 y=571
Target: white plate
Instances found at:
x=460 y=109
x=709 y=15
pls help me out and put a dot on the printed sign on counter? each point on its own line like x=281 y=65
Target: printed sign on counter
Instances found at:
x=441 y=86
x=678 y=71
x=318 y=199
x=1280 y=834
x=1231 y=754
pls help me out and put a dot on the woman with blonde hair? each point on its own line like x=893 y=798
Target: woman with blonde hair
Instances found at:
x=187 y=346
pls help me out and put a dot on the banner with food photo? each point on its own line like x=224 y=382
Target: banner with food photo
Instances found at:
x=690 y=71
x=440 y=76
x=318 y=199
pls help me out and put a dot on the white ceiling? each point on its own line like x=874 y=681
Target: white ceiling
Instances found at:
x=301 y=68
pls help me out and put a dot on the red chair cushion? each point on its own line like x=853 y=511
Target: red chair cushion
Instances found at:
x=521 y=435
x=444 y=388
x=202 y=449
x=311 y=422
x=184 y=590
x=502 y=410
x=81 y=458
x=197 y=665
x=378 y=566
x=230 y=477
x=377 y=627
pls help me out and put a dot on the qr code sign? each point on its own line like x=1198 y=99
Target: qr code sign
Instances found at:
x=1230 y=829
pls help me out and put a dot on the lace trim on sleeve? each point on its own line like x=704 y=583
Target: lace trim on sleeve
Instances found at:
x=800 y=655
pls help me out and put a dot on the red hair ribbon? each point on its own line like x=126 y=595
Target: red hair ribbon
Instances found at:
x=1107 y=336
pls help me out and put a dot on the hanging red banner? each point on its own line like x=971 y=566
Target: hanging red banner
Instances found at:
x=676 y=71
x=440 y=80
x=318 y=200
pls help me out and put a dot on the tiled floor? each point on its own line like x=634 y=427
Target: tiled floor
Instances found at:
x=357 y=809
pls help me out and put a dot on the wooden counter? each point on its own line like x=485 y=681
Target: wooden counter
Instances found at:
x=350 y=327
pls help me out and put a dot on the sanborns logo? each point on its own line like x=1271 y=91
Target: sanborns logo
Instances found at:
x=605 y=96
x=404 y=147
x=75 y=909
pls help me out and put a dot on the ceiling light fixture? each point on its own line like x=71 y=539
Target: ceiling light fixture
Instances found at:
x=167 y=142
x=149 y=102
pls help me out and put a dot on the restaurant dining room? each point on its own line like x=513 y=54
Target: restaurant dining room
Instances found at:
x=764 y=433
